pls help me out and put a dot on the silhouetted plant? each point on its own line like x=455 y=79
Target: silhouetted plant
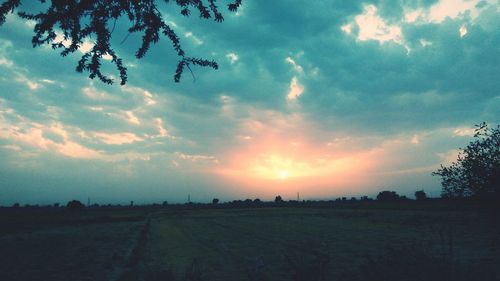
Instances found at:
x=477 y=169
x=278 y=199
x=420 y=195
x=215 y=201
x=387 y=196
x=74 y=205
x=79 y=21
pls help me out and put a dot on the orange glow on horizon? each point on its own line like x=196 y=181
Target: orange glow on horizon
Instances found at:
x=280 y=163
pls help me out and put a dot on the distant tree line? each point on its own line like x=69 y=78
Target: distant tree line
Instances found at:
x=383 y=196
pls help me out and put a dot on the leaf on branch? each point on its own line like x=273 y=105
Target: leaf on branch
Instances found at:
x=78 y=21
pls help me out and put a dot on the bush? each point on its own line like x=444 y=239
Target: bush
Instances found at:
x=420 y=195
x=74 y=205
x=388 y=196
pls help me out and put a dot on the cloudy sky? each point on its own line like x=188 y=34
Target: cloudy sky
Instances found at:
x=325 y=98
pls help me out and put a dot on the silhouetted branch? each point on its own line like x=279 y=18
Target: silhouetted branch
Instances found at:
x=67 y=25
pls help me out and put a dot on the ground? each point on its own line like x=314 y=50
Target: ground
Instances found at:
x=286 y=243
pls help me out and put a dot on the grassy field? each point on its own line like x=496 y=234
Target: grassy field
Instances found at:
x=242 y=244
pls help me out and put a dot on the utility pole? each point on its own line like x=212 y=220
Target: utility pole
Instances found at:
x=189 y=198
x=298 y=197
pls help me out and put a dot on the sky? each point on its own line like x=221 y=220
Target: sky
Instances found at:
x=325 y=98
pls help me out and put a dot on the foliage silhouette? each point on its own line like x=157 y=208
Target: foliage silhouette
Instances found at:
x=420 y=195
x=74 y=205
x=79 y=20
x=387 y=196
x=476 y=173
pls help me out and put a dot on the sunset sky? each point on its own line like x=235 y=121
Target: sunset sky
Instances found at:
x=326 y=98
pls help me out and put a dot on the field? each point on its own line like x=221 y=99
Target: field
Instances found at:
x=246 y=243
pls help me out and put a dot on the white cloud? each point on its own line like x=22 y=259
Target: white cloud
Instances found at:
x=96 y=108
x=197 y=157
x=6 y=62
x=463 y=31
x=444 y=9
x=412 y=16
x=415 y=139
x=425 y=42
x=452 y=9
x=373 y=27
x=32 y=85
x=295 y=65
x=76 y=150
x=161 y=130
x=94 y=94
x=48 y=81
x=131 y=118
x=195 y=39
x=86 y=47
x=347 y=28
x=448 y=157
x=148 y=97
x=295 y=89
x=34 y=135
x=107 y=56
x=117 y=138
x=464 y=132
x=232 y=57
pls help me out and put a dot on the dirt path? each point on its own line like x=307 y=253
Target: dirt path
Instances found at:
x=131 y=264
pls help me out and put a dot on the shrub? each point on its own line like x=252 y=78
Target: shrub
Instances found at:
x=420 y=195
x=387 y=196
x=74 y=205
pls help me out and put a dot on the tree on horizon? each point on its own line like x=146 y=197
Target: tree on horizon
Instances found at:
x=420 y=195
x=387 y=195
x=476 y=173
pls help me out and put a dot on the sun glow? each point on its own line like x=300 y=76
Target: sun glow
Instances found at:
x=278 y=156
x=283 y=175
x=283 y=164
